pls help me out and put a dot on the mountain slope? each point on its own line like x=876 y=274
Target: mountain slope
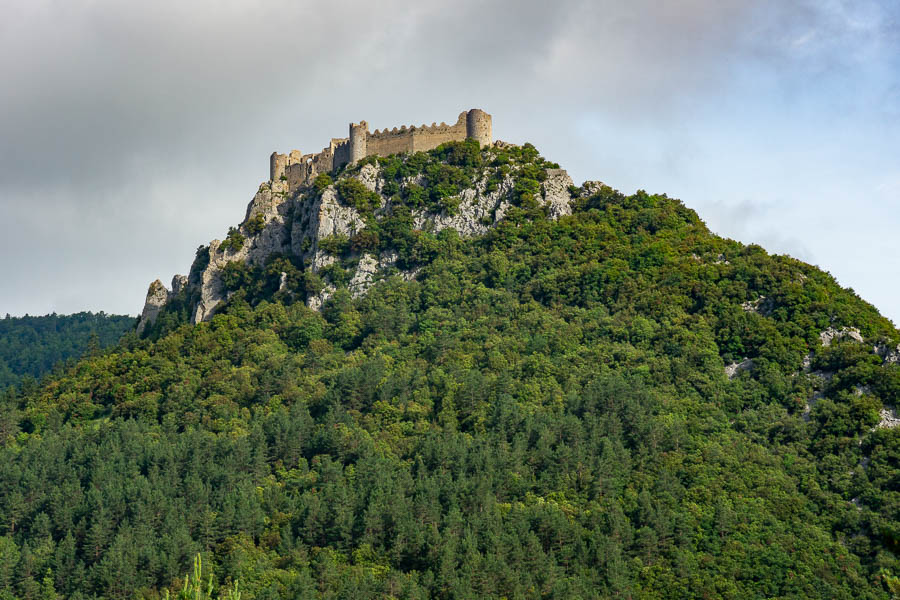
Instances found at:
x=612 y=402
x=30 y=346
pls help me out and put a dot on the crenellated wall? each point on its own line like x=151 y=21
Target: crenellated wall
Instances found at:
x=299 y=169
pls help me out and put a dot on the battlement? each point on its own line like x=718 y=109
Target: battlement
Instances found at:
x=299 y=169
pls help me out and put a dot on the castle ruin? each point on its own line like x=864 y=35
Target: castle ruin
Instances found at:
x=299 y=169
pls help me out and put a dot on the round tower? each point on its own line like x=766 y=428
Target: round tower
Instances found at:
x=277 y=164
x=478 y=126
x=359 y=136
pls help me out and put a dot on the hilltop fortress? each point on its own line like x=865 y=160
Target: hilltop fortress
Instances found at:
x=285 y=219
x=298 y=168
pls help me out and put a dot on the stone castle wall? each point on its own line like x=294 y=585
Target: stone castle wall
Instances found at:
x=299 y=169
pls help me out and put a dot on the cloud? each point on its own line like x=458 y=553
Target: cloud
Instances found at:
x=130 y=133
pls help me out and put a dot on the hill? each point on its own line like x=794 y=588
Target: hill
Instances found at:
x=447 y=375
x=31 y=346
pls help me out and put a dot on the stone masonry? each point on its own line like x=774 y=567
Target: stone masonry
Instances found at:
x=298 y=169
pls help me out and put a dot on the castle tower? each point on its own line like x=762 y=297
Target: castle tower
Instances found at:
x=359 y=137
x=277 y=164
x=478 y=126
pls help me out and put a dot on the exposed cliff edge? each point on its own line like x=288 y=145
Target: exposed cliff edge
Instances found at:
x=307 y=223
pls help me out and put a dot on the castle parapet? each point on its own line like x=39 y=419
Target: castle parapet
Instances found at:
x=299 y=169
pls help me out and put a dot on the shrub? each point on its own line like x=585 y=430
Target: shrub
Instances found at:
x=322 y=181
x=414 y=195
x=355 y=194
x=256 y=224
x=235 y=274
x=336 y=245
x=234 y=241
x=338 y=275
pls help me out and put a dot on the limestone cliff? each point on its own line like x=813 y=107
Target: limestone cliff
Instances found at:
x=293 y=222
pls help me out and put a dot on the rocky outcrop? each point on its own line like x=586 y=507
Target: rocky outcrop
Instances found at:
x=157 y=296
x=478 y=210
x=364 y=276
x=279 y=220
x=555 y=193
x=831 y=334
x=761 y=306
x=317 y=219
x=732 y=370
x=265 y=230
x=589 y=188
x=888 y=418
x=888 y=355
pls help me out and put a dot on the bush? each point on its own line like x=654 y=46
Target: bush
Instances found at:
x=234 y=241
x=322 y=181
x=256 y=224
x=353 y=193
x=336 y=245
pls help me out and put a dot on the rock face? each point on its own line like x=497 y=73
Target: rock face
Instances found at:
x=555 y=192
x=889 y=418
x=281 y=221
x=761 y=306
x=478 y=211
x=265 y=230
x=732 y=370
x=832 y=334
x=318 y=219
x=157 y=296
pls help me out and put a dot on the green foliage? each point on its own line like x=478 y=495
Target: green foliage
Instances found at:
x=322 y=181
x=196 y=588
x=353 y=193
x=234 y=241
x=337 y=244
x=256 y=224
x=32 y=346
x=543 y=412
x=465 y=154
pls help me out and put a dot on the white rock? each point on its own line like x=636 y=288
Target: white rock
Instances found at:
x=368 y=176
x=319 y=218
x=761 y=306
x=888 y=355
x=831 y=334
x=555 y=192
x=316 y=301
x=734 y=368
x=179 y=282
x=478 y=210
x=889 y=418
x=589 y=188
x=157 y=296
x=807 y=362
x=813 y=400
x=364 y=276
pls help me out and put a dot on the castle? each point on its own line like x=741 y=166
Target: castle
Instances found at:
x=299 y=169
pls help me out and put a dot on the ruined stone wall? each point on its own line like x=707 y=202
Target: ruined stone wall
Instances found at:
x=415 y=139
x=341 y=152
x=299 y=169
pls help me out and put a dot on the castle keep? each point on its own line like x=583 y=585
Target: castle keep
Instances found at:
x=299 y=168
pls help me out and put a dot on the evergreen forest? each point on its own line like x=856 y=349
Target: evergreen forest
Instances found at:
x=543 y=411
x=31 y=346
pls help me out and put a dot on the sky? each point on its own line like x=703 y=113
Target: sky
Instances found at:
x=132 y=133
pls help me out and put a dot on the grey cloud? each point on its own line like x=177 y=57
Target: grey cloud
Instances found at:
x=130 y=133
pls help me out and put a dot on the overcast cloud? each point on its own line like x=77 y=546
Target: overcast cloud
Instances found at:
x=131 y=133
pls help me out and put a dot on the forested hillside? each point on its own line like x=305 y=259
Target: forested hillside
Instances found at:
x=30 y=346
x=614 y=403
